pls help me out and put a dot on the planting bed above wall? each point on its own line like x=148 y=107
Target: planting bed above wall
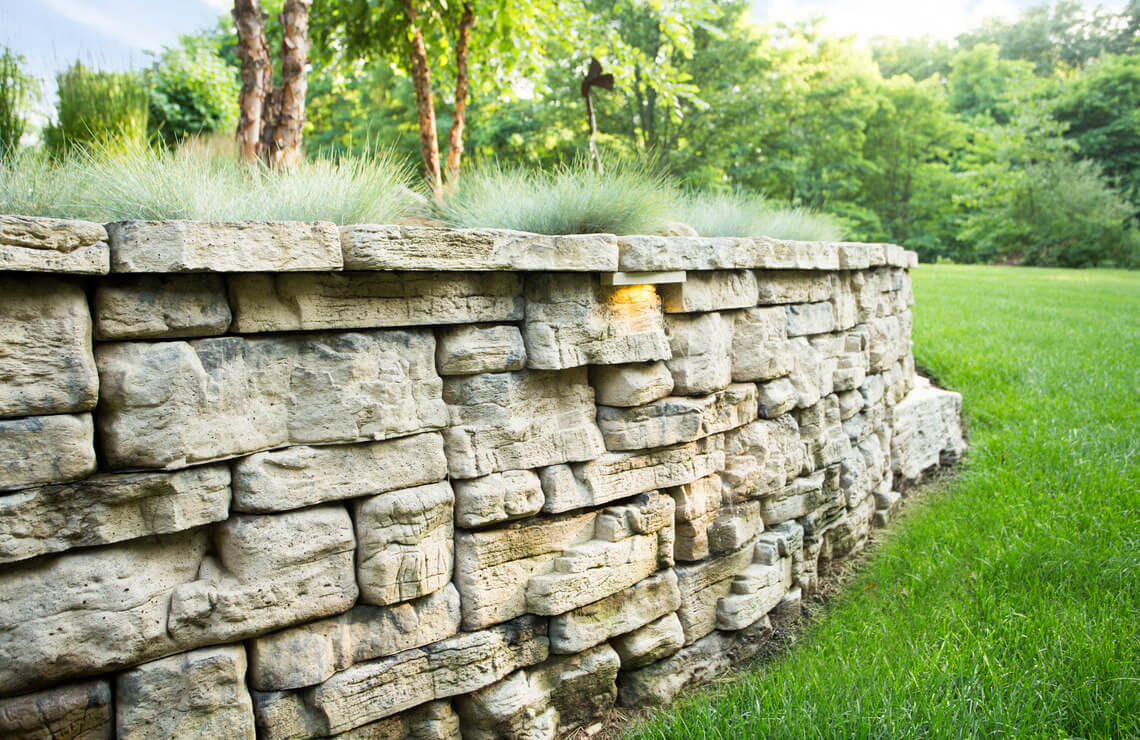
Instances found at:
x=396 y=481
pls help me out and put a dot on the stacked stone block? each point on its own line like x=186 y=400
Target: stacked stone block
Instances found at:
x=279 y=480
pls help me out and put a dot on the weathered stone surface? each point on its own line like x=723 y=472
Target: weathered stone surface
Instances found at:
x=110 y=508
x=172 y=404
x=697 y=504
x=80 y=711
x=735 y=525
x=496 y=498
x=582 y=687
x=242 y=246
x=776 y=398
x=760 y=347
x=197 y=694
x=677 y=419
x=702 y=352
x=371 y=691
x=762 y=458
x=621 y=474
x=46 y=365
x=850 y=403
x=167 y=306
x=435 y=720
x=268 y=572
x=653 y=642
x=703 y=584
x=812 y=374
x=758 y=589
x=550 y=566
x=84 y=613
x=404 y=543
x=362 y=300
x=468 y=350
x=810 y=318
x=701 y=661
x=631 y=385
x=312 y=653
x=795 y=500
x=927 y=430
x=34 y=244
x=526 y=419
x=711 y=291
x=385 y=247
x=780 y=287
x=657 y=253
x=296 y=477
x=624 y=611
x=36 y=450
x=573 y=320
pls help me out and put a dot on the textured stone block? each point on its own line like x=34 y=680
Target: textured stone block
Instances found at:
x=927 y=431
x=780 y=287
x=240 y=246
x=553 y=565
x=312 y=653
x=795 y=500
x=776 y=397
x=435 y=720
x=621 y=474
x=631 y=385
x=761 y=458
x=659 y=253
x=110 y=508
x=697 y=504
x=755 y=592
x=677 y=419
x=79 y=711
x=34 y=244
x=197 y=694
x=653 y=642
x=172 y=404
x=736 y=524
x=573 y=320
x=161 y=306
x=810 y=318
x=469 y=350
x=46 y=365
x=702 y=661
x=496 y=498
x=404 y=543
x=760 y=347
x=385 y=247
x=296 y=477
x=703 y=584
x=702 y=352
x=45 y=449
x=371 y=691
x=711 y=291
x=362 y=300
x=622 y=612
x=526 y=419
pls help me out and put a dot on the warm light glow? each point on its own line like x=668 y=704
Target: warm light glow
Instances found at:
x=634 y=309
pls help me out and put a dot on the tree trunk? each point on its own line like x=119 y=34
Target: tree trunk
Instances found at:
x=256 y=76
x=455 y=136
x=425 y=106
x=289 y=118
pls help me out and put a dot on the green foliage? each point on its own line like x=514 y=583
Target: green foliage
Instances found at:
x=206 y=182
x=570 y=199
x=96 y=108
x=1004 y=604
x=17 y=92
x=980 y=81
x=740 y=214
x=193 y=92
x=1102 y=110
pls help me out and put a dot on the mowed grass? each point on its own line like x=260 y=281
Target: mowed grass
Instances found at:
x=1007 y=604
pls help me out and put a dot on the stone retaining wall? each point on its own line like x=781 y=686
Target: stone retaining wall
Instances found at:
x=281 y=480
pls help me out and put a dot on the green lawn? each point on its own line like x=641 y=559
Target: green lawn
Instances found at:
x=1008 y=604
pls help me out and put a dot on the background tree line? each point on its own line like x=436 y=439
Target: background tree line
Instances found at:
x=1018 y=142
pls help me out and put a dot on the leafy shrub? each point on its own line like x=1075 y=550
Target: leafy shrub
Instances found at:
x=193 y=92
x=629 y=198
x=202 y=181
x=17 y=90
x=740 y=214
x=96 y=108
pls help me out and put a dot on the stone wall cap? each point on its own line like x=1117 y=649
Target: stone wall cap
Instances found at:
x=56 y=245
x=418 y=248
x=232 y=246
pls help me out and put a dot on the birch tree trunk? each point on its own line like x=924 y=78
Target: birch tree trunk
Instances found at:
x=425 y=106
x=459 y=120
x=256 y=77
x=289 y=119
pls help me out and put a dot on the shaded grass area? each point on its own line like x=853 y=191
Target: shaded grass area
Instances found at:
x=1010 y=604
